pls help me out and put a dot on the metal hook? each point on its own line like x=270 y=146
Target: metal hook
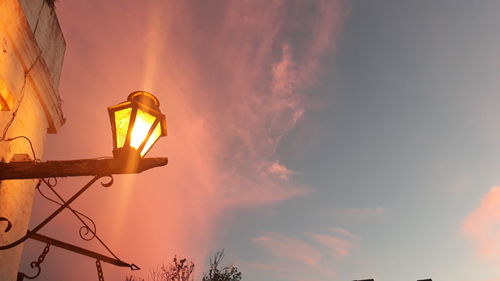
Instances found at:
x=9 y=224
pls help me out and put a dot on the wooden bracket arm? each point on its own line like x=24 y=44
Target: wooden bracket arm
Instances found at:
x=73 y=168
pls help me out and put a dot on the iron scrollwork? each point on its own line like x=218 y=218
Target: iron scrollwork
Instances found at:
x=51 y=216
x=86 y=231
x=9 y=224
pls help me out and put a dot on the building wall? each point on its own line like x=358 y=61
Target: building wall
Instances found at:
x=31 y=54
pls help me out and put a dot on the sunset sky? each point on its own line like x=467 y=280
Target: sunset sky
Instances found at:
x=312 y=140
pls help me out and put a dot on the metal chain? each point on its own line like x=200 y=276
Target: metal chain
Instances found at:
x=42 y=255
x=100 y=274
x=35 y=264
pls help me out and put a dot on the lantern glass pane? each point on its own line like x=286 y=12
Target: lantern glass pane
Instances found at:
x=154 y=136
x=122 y=120
x=143 y=123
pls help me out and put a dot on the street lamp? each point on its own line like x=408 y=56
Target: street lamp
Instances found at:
x=136 y=125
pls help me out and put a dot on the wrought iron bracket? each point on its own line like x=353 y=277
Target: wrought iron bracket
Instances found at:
x=98 y=168
x=51 y=216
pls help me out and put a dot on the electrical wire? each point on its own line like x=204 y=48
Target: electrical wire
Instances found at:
x=29 y=141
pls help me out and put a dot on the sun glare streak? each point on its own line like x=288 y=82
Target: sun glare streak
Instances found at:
x=153 y=35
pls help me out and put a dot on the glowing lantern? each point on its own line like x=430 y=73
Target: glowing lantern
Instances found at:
x=136 y=124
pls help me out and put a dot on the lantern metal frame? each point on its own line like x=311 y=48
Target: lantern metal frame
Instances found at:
x=146 y=102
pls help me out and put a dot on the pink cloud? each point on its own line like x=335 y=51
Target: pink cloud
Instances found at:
x=338 y=247
x=344 y=232
x=277 y=170
x=289 y=248
x=482 y=225
x=317 y=252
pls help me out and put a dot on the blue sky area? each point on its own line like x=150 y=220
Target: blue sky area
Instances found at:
x=409 y=137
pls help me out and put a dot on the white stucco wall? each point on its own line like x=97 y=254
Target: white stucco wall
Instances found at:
x=31 y=53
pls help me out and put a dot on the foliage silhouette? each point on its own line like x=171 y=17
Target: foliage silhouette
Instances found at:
x=182 y=269
x=177 y=270
x=217 y=272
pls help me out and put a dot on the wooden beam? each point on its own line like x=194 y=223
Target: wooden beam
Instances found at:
x=72 y=168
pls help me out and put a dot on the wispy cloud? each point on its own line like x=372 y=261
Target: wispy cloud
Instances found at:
x=313 y=251
x=240 y=89
x=277 y=170
x=338 y=247
x=482 y=225
x=247 y=84
x=290 y=248
x=344 y=232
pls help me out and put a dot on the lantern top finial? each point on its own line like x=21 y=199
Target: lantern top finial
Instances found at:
x=145 y=98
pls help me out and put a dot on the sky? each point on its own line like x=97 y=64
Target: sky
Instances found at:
x=311 y=140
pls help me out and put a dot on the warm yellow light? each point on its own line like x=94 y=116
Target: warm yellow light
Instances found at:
x=122 y=119
x=154 y=136
x=143 y=123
